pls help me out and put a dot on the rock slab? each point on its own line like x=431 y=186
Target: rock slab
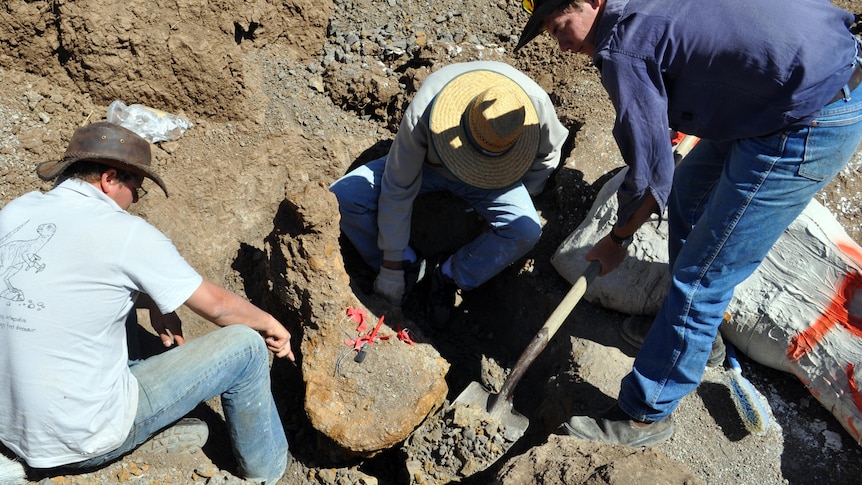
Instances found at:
x=364 y=407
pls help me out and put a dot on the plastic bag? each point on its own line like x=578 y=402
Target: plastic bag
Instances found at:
x=11 y=471
x=150 y=123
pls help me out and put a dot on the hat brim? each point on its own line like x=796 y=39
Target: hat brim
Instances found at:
x=534 y=24
x=453 y=146
x=52 y=169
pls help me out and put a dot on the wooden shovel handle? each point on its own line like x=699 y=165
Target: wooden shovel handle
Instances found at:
x=552 y=324
x=683 y=147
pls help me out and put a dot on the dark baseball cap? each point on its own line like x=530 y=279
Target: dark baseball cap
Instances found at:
x=537 y=9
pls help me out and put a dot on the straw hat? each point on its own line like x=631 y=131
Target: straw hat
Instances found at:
x=485 y=129
x=106 y=143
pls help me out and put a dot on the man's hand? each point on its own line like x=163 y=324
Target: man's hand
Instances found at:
x=169 y=327
x=390 y=285
x=608 y=253
x=277 y=340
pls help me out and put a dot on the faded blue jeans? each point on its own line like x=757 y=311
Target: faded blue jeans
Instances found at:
x=232 y=362
x=730 y=202
x=515 y=225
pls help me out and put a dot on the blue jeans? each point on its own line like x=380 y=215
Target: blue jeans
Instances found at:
x=232 y=362
x=515 y=225
x=730 y=202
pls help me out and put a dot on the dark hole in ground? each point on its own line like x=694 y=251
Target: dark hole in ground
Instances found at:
x=240 y=34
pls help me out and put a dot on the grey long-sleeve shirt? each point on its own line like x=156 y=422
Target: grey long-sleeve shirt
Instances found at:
x=412 y=149
x=717 y=69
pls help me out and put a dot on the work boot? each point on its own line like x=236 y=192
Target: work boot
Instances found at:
x=187 y=435
x=615 y=427
x=718 y=352
x=635 y=328
x=441 y=300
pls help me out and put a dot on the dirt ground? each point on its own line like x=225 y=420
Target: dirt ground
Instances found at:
x=283 y=93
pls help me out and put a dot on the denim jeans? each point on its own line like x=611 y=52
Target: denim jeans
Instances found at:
x=730 y=202
x=515 y=226
x=232 y=362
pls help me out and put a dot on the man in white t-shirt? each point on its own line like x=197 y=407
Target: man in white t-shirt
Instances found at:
x=75 y=266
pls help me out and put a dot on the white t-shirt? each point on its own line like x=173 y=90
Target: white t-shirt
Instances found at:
x=72 y=263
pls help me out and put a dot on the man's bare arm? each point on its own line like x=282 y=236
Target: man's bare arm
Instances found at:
x=224 y=308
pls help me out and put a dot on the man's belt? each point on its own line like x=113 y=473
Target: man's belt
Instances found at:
x=854 y=81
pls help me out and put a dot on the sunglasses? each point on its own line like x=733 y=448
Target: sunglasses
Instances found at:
x=528 y=6
x=140 y=192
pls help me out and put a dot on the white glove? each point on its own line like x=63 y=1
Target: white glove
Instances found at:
x=390 y=285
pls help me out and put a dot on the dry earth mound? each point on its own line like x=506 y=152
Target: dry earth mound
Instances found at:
x=286 y=95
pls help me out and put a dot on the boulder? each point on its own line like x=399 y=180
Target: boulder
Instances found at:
x=363 y=406
x=564 y=460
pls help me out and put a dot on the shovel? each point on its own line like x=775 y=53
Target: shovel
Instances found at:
x=499 y=406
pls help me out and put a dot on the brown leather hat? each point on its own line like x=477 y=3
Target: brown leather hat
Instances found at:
x=106 y=143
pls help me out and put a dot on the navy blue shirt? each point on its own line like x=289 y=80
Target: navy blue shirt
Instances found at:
x=717 y=69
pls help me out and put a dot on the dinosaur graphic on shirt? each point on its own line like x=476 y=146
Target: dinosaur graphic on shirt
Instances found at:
x=22 y=254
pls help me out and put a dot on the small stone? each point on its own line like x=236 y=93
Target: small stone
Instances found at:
x=207 y=470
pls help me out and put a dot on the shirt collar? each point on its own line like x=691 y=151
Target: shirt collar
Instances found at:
x=86 y=189
x=613 y=11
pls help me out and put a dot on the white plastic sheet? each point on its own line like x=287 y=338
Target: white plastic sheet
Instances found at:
x=800 y=312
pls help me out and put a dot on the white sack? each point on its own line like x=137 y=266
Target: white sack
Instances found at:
x=11 y=472
x=800 y=312
x=640 y=284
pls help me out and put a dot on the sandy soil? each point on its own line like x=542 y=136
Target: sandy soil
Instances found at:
x=283 y=93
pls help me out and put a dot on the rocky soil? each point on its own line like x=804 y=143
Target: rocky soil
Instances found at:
x=287 y=95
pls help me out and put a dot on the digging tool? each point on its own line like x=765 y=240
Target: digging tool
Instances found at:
x=499 y=406
x=683 y=147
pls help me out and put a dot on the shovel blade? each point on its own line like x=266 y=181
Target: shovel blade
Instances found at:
x=475 y=395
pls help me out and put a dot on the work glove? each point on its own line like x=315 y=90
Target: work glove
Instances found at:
x=390 y=285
